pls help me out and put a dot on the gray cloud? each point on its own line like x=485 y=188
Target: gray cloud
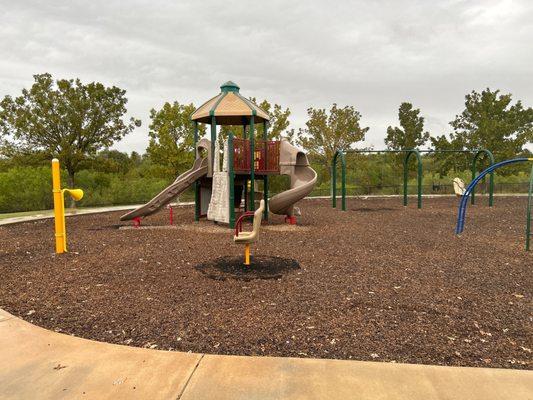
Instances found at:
x=372 y=55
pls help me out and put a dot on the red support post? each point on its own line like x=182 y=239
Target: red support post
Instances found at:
x=171 y=214
x=290 y=219
x=137 y=222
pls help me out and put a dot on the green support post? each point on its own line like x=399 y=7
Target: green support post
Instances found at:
x=213 y=140
x=529 y=206
x=245 y=189
x=231 y=177
x=406 y=176
x=265 y=177
x=334 y=180
x=251 y=202
x=197 y=205
x=333 y=184
x=489 y=154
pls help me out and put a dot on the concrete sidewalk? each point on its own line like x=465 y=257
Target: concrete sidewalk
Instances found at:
x=45 y=214
x=39 y=364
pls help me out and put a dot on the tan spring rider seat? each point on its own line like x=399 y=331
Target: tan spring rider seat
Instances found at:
x=458 y=187
x=249 y=237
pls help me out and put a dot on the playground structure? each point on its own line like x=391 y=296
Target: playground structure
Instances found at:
x=59 y=207
x=461 y=215
x=219 y=190
x=340 y=154
x=249 y=237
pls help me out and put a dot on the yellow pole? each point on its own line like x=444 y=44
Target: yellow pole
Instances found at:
x=64 y=220
x=247 y=254
x=59 y=208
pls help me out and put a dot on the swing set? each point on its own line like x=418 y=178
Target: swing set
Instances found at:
x=340 y=154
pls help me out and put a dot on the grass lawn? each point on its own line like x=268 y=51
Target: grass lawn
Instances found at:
x=26 y=213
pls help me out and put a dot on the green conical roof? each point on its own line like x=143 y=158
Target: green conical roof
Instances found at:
x=230 y=86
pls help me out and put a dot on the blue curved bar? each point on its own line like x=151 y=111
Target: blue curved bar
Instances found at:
x=464 y=199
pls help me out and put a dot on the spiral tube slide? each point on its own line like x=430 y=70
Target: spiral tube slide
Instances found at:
x=464 y=199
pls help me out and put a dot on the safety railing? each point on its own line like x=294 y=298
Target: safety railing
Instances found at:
x=266 y=156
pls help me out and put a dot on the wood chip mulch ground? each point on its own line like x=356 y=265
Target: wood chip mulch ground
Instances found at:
x=378 y=282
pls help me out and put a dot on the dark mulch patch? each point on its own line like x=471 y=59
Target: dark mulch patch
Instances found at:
x=260 y=268
x=367 y=209
x=391 y=284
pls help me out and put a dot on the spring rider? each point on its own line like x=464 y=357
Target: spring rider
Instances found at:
x=249 y=237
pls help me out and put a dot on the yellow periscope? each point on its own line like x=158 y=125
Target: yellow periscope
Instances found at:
x=59 y=207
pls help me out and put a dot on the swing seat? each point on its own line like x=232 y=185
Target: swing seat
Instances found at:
x=249 y=237
x=459 y=186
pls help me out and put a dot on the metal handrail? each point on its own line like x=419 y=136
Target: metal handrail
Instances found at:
x=238 y=224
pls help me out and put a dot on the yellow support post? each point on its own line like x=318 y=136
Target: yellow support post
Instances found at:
x=247 y=254
x=59 y=212
x=59 y=207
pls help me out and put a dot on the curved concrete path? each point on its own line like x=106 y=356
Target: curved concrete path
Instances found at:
x=36 y=363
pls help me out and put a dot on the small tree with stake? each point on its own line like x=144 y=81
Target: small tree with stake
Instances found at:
x=65 y=119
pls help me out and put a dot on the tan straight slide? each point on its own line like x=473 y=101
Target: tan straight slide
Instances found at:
x=181 y=183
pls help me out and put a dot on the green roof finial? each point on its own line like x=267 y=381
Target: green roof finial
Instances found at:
x=229 y=86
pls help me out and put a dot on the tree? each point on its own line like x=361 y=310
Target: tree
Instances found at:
x=411 y=134
x=279 y=121
x=14 y=156
x=110 y=161
x=491 y=121
x=65 y=119
x=447 y=160
x=277 y=126
x=326 y=133
x=172 y=136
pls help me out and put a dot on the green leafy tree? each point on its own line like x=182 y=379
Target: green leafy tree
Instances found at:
x=171 y=135
x=411 y=133
x=326 y=132
x=279 y=121
x=111 y=161
x=135 y=159
x=65 y=119
x=490 y=120
x=446 y=161
x=277 y=126
x=12 y=155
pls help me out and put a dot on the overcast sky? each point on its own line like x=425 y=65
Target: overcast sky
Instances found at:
x=370 y=54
